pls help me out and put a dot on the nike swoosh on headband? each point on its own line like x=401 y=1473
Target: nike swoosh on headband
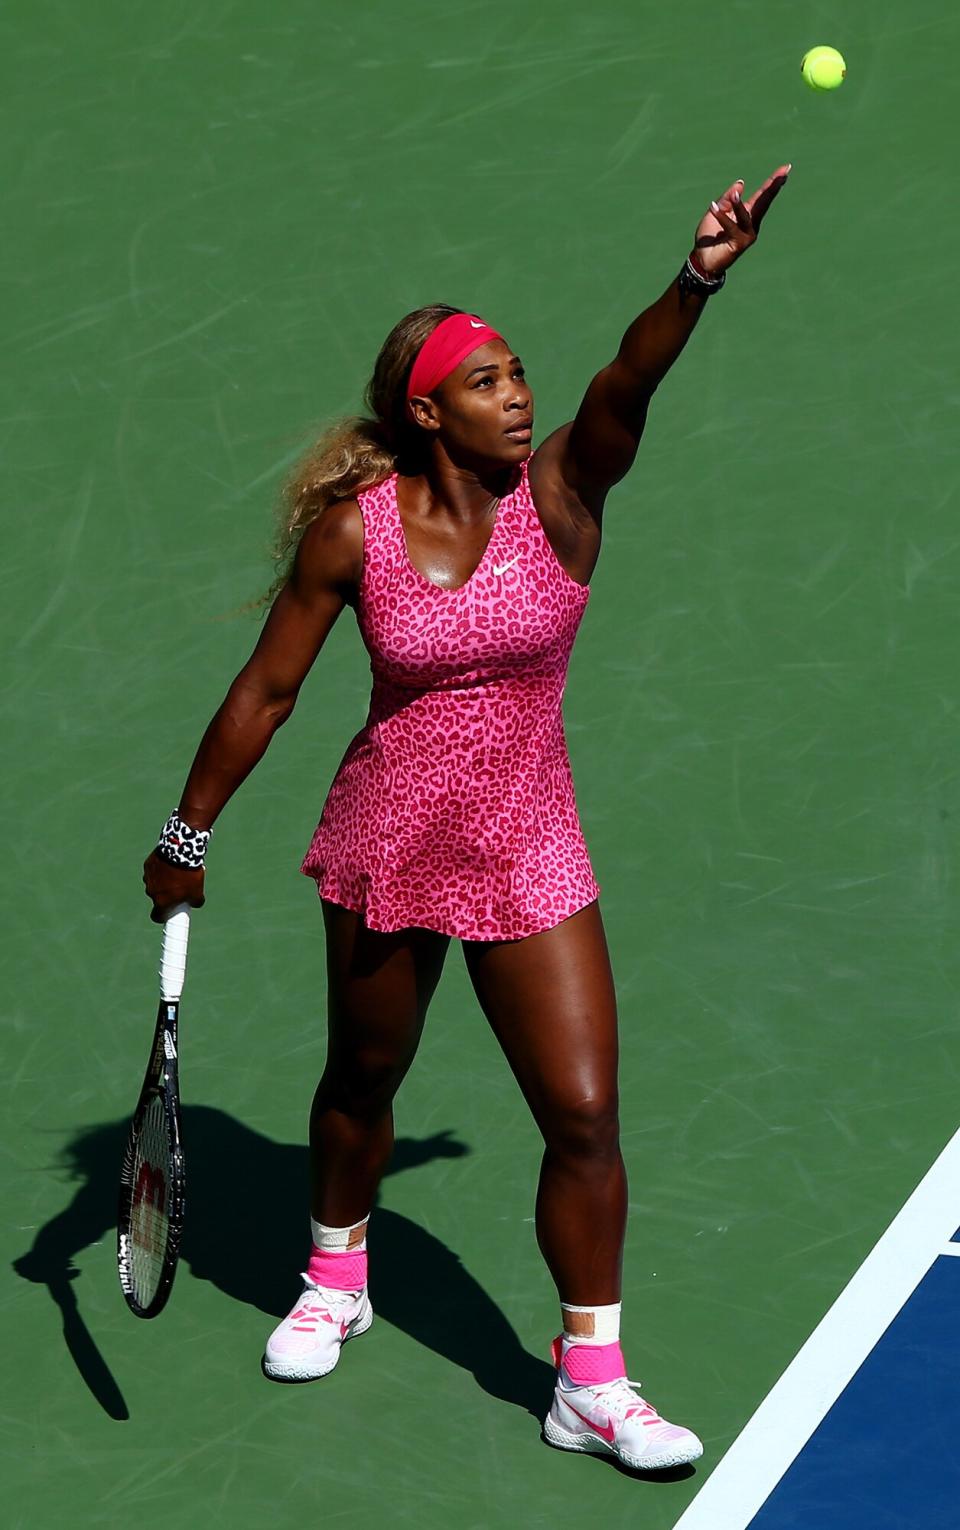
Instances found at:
x=453 y=340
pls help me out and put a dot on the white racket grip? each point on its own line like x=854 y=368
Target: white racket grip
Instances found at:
x=173 y=961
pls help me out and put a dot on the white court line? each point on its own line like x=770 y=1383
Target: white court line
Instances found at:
x=838 y=1346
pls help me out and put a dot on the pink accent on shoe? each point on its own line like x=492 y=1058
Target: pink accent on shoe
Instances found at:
x=607 y=1431
x=556 y=1350
x=646 y=1412
x=669 y=1431
x=589 y=1365
x=336 y=1322
x=338 y=1271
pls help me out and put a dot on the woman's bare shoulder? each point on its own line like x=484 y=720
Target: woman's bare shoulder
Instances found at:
x=331 y=549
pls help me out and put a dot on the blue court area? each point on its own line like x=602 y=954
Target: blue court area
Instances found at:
x=859 y=1430
x=885 y=1457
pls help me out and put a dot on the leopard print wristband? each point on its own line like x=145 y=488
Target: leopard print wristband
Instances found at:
x=180 y=845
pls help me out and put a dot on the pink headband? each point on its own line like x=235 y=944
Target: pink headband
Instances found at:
x=441 y=353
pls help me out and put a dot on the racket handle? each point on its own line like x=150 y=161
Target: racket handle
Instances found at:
x=173 y=961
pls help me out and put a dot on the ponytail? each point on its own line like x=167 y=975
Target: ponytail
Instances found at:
x=357 y=453
x=350 y=456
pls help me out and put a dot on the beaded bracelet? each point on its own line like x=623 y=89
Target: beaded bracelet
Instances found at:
x=180 y=845
x=693 y=278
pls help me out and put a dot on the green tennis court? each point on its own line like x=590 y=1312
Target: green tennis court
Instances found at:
x=215 y=212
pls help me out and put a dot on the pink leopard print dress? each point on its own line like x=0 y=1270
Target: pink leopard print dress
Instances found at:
x=453 y=808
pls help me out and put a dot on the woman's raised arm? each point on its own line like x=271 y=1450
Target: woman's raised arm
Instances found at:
x=324 y=577
x=584 y=459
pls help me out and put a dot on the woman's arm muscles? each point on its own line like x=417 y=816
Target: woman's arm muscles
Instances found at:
x=326 y=569
x=604 y=437
x=589 y=456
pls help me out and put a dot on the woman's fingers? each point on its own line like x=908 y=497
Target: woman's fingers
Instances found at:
x=759 y=203
x=732 y=204
x=161 y=909
x=742 y=215
x=728 y=224
x=732 y=224
x=731 y=193
x=167 y=885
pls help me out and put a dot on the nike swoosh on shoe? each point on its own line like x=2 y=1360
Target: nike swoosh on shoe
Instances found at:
x=607 y=1431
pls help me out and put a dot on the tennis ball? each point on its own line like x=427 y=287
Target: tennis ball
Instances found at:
x=823 y=68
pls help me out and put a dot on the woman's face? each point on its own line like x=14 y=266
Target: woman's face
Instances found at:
x=484 y=409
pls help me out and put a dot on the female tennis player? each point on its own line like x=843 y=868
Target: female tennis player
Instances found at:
x=467 y=558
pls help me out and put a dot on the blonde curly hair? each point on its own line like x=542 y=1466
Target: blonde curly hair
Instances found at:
x=356 y=453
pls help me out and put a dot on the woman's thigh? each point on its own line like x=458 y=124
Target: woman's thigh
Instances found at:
x=551 y=1003
x=379 y=987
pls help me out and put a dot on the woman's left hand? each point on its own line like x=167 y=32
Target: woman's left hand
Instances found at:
x=733 y=223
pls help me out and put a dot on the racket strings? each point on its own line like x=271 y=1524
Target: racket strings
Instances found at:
x=152 y=1182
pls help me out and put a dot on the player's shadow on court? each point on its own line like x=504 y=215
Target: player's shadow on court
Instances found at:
x=245 y=1232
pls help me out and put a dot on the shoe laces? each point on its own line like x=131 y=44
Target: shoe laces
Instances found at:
x=316 y=1300
x=622 y=1400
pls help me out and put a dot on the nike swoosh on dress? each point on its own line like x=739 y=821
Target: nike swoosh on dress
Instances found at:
x=502 y=568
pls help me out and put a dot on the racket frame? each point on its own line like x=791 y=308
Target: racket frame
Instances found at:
x=161 y=1085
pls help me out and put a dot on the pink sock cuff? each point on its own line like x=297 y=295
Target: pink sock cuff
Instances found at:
x=341 y=1272
x=588 y=1365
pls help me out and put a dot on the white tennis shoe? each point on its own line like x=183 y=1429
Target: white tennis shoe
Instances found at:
x=612 y=1419
x=307 y=1344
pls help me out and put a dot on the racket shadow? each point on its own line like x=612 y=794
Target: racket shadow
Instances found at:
x=92 y=1157
x=246 y=1191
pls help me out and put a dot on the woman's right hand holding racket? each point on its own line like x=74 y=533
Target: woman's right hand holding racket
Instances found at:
x=169 y=885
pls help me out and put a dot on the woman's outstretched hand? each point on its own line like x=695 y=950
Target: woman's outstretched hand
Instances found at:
x=169 y=885
x=733 y=223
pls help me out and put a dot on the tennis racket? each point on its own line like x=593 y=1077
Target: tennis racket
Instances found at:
x=152 y=1185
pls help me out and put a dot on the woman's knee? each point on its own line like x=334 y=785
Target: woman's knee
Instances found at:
x=361 y=1082
x=586 y=1127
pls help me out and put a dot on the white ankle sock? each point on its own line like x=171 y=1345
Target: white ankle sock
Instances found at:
x=339 y=1240
x=605 y=1328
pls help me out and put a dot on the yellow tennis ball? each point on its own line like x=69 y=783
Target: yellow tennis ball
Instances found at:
x=823 y=68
